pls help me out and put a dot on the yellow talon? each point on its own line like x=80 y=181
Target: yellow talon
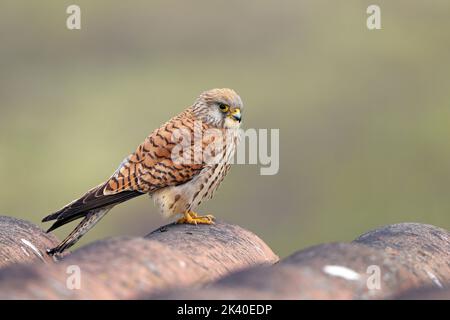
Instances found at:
x=190 y=217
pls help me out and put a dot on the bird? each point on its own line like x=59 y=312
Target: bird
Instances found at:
x=169 y=165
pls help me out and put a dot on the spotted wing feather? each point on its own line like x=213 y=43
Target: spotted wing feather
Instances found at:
x=151 y=166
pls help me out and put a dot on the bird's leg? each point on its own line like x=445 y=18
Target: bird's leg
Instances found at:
x=191 y=217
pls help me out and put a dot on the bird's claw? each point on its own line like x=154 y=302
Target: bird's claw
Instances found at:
x=190 y=217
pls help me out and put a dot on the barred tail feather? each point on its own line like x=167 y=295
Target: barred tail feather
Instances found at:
x=91 y=218
x=94 y=199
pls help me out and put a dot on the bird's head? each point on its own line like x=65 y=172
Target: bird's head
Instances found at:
x=221 y=108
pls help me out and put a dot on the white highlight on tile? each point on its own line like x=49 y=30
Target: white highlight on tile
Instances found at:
x=342 y=272
x=32 y=247
x=434 y=279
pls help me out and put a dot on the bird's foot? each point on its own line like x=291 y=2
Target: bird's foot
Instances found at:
x=191 y=217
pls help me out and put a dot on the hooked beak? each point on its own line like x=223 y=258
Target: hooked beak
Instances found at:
x=236 y=114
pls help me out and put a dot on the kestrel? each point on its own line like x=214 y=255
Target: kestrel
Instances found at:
x=178 y=184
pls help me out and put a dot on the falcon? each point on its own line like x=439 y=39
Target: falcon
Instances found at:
x=179 y=165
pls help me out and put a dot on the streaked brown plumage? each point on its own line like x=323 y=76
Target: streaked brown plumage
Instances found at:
x=177 y=187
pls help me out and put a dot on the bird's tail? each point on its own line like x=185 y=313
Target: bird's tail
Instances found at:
x=91 y=207
x=91 y=218
x=92 y=200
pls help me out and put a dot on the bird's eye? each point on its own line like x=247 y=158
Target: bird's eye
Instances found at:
x=223 y=107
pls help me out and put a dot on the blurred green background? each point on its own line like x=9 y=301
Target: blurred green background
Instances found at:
x=364 y=116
